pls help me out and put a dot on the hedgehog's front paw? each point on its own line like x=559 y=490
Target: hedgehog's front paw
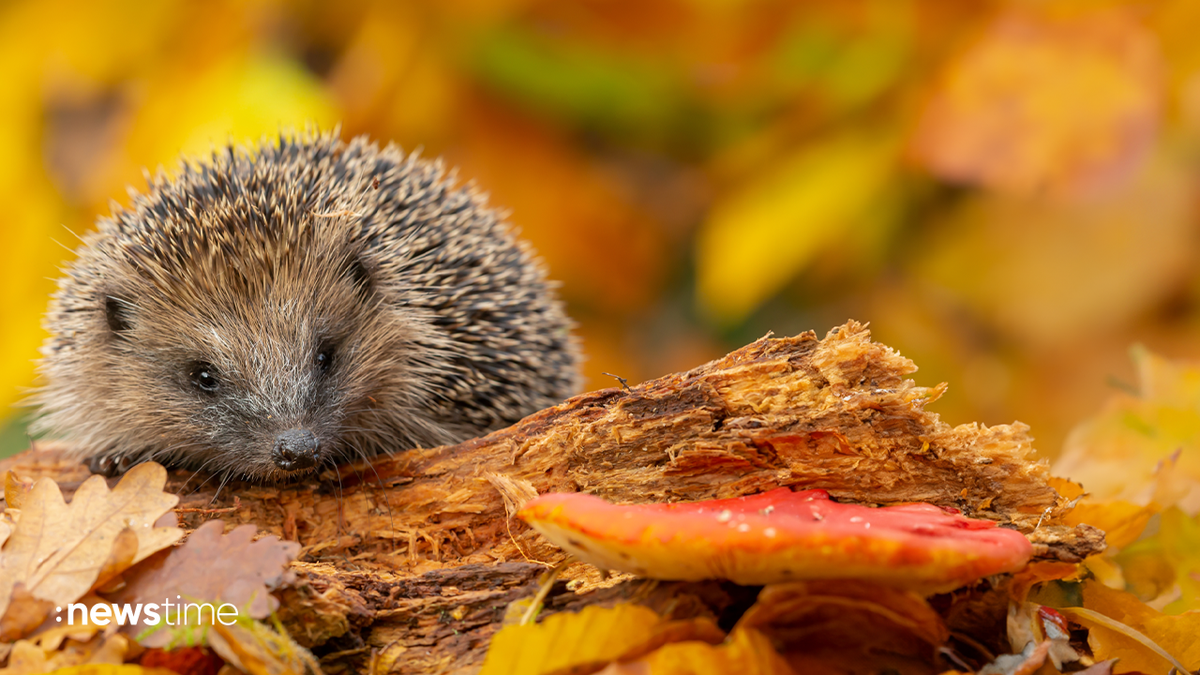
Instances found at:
x=110 y=466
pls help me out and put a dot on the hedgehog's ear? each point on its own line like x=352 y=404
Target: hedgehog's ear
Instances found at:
x=358 y=272
x=116 y=313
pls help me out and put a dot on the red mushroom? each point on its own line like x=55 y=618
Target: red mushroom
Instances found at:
x=778 y=536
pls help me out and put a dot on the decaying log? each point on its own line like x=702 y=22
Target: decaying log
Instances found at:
x=418 y=549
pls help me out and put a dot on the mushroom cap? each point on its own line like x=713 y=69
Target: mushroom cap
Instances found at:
x=779 y=536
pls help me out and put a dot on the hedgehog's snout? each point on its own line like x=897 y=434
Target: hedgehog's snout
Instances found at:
x=295 y=450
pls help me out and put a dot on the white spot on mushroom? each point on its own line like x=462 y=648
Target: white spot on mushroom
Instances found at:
x=769 y=532
x=724 y=516
x=744 y=527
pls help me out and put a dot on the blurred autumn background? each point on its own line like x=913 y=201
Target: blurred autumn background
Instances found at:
x=1006 y=191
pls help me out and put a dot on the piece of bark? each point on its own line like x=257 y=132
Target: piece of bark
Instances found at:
x=837 y=414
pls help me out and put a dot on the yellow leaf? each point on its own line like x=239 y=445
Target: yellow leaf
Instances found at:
x=1175 y=635
x=759 y=236
x=746 y=652
x=1143 y=448
x=595 y=636
x=252 y=647
x=1121 y=521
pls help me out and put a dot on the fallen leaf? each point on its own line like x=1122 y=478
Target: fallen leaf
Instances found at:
x=211 y=567
x=58 y=551
x=94 y=655
x=1142 y=639
x=847 y=624
x=779 y=536
x=24 y=614
x=253 y=648
x=111 y=669
x=1121 y=453
x=746 y=652
x=588 y=639
x=1121 y=521
x=15 y=491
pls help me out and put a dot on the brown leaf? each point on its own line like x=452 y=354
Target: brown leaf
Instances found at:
x=851 y=623
x=58 y=551
x=34 y=657
x=24 y=614
x=213 y=567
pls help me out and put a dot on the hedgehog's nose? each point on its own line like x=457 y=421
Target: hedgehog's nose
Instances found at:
x=295 y=449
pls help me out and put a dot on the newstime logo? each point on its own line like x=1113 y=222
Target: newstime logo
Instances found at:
x=150 y=614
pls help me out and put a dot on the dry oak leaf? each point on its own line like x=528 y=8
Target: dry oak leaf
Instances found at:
x=212 y=567
x=33 y=657
x=111 y=669
x=15 y=491
x=57 y=552
x=779 y=536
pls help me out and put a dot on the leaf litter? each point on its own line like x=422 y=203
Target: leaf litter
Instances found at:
x=1131 y=609
x=116 y=548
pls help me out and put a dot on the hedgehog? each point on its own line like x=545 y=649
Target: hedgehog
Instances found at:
x=278 y=308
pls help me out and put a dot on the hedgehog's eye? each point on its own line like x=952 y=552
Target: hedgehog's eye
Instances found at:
x=204 y=376
x=324 y=359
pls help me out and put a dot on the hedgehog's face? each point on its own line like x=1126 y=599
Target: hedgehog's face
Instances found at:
x=306 y=364
x=260 y=379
